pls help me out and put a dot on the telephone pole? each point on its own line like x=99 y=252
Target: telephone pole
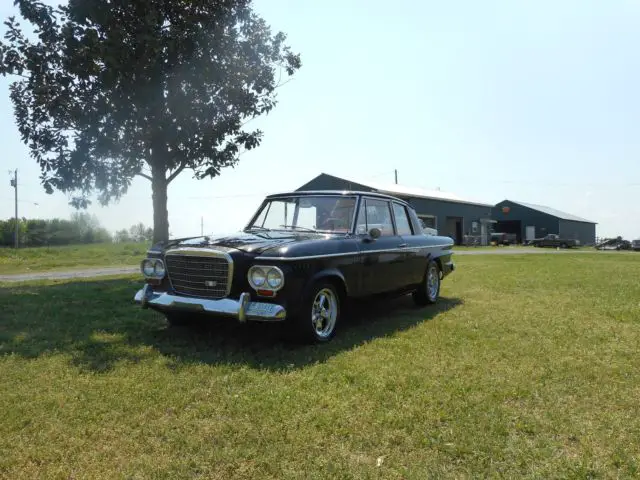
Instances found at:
x=396 y=171
x=14 y=184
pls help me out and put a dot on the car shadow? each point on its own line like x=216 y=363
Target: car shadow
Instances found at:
x=98 y=326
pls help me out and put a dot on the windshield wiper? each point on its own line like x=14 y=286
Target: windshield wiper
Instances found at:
x=306 y=229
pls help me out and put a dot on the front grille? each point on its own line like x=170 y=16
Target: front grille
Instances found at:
x=204 y=276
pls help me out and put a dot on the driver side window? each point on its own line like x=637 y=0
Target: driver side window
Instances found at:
x=374 y=213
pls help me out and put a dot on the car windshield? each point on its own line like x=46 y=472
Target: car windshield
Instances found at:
x=322 y=213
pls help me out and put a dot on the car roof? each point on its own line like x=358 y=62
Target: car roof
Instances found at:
x=344 y=193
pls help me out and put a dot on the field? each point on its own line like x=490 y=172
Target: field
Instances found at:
x=528 y=369
x=72 y=257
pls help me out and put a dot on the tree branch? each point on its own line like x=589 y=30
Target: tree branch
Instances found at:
x=177 y=172
x=143 y=175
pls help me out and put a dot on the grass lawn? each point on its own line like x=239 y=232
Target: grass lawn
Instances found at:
x=528 y=369
x=70 y=257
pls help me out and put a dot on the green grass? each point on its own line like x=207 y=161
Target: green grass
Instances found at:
x=528 y=369
x=71 y=257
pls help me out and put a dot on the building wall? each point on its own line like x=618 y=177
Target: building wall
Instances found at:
x=442 y=210
x=544 y=224
x=585 y=232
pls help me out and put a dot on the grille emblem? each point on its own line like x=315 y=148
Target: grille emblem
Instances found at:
x=211 y=283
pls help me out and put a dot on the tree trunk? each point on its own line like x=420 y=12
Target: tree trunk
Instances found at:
x=159 y=186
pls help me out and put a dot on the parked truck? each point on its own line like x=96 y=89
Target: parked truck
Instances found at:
x=555 y=241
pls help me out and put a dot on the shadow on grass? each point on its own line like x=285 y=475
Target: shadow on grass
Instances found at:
x=97 y=324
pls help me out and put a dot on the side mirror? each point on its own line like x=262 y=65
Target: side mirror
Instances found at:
x=375 y=233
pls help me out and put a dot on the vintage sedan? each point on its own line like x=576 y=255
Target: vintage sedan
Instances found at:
x=300 y=257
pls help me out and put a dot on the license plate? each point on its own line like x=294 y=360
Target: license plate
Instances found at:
x=262 y=309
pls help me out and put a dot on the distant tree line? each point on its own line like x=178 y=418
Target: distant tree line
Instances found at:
x=81 y=228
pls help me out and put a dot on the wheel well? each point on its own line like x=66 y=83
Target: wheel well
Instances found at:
x=337 y=282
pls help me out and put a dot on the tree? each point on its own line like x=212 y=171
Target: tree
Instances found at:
x=140 y=233
x=112 y=89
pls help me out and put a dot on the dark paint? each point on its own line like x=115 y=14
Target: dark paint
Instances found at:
x=362 y=265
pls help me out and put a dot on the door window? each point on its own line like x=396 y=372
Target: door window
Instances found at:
x=374 y=213
x=402 y=220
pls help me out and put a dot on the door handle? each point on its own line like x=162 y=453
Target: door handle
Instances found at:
x=402 y=245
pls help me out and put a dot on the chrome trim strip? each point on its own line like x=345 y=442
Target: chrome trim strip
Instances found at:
x=363 y=252
x=202 y=252
x=242 y=309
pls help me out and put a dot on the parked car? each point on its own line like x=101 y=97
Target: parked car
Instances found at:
x=556 y=241
x=617 y=243
x=635 y=245
x=300 y=257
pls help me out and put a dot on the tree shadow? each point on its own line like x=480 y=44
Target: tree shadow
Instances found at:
x=98 y=326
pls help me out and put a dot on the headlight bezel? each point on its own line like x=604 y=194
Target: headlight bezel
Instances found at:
x=266 y=270
x=156 y=268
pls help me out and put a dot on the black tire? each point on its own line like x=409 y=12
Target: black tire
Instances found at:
x=428 y=294
x=306 y=327
x=564 y=245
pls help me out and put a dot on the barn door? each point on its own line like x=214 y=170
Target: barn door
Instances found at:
x=530 y=233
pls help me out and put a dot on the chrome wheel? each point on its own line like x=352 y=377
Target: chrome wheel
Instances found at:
x=324 y=312
x=433 y=282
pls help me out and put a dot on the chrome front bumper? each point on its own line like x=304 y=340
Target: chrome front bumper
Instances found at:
x=242 y=309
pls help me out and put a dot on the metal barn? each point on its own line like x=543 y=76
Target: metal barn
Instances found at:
x=529 y=221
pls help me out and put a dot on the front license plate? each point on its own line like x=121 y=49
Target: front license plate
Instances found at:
x=262 y=309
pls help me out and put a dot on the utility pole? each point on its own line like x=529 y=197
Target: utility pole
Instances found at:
x=201 y=226
x=14 y=184
x=396 y=171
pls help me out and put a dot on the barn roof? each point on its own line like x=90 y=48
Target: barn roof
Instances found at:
x=409 y=191
x=553 y=212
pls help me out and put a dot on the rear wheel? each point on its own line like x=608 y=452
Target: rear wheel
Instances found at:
x=319 y=316
x=429 y=290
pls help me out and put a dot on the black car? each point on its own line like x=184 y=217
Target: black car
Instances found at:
x=297 y=260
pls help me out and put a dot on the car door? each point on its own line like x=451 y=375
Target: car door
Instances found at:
x=382 y=259
x=413 y=256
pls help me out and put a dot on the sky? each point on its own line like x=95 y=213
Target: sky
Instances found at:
x=533 y=101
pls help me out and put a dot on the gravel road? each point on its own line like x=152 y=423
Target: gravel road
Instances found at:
x=84 y=273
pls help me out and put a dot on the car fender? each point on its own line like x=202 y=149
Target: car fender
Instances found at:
x=326 y=273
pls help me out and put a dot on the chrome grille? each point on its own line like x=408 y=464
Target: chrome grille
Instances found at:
x=201 y=276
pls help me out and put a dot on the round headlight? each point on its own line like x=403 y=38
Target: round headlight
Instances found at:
x=274 y=278
x=148 y=268
x=258 y=277
x=159 y=268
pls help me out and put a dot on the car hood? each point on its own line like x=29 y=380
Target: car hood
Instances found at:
x=250 y=242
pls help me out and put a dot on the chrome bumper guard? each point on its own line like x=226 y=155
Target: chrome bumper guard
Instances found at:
x=242 y=309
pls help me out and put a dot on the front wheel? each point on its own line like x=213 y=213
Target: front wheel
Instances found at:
x=429 y=290
x=319 y=315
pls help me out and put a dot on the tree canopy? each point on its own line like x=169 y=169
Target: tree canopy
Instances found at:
x=112 y=89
